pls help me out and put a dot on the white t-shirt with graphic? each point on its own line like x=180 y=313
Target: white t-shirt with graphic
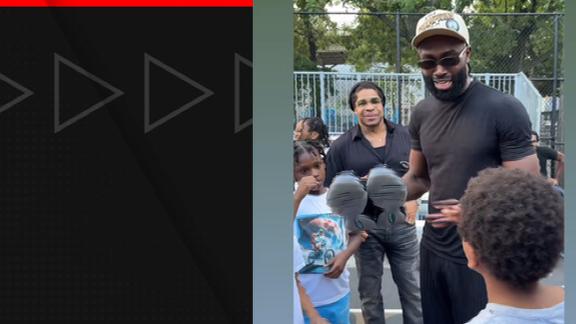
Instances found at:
x=321 y=235
x=298 y=262
x=501 y=314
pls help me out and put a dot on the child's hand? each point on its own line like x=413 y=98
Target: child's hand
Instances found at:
x=307 y=184
x=337 y=266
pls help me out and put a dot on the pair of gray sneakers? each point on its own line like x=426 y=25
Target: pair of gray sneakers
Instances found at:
x=348 y=197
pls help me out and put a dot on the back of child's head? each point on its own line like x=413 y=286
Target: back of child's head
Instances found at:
x=514 y=221
x=315 y=124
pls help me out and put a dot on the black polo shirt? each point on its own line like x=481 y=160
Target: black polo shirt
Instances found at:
x=352 y=151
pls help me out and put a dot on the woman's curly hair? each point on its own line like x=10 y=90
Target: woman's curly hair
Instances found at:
x=515 y=223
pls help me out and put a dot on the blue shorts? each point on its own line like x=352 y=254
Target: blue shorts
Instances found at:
x=336 y=313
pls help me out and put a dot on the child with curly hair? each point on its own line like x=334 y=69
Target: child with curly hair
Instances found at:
x=512 y=232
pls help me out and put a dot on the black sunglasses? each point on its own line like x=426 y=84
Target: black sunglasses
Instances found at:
x=445 y=61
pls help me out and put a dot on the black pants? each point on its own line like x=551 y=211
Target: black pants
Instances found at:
x=451 y=292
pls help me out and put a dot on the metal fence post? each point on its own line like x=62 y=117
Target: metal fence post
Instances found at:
x=553 y=118
x=554 y=84
x=398 y=68
x=322 y=99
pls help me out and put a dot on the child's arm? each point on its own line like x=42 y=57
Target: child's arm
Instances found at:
x=304 y=186
x=307 y=305
x=338 y=264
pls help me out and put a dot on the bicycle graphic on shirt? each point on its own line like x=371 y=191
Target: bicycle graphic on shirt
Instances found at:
x=322 y=252
x=321 y=238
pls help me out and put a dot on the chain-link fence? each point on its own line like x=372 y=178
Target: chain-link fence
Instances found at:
x=329 y=90
x=378 y=42
x=325 y=94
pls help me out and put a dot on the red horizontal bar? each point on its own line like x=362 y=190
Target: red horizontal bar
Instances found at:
x=126 y=3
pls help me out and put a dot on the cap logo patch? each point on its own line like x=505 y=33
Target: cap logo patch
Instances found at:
x=452 y=24
x=435 y=20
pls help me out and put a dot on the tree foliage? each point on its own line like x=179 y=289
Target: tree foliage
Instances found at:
x=311 y=33
x=374 y=39
x=515 y=43
x=500 y=44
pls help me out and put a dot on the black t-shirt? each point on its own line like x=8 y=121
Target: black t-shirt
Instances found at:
x=545 y=154
x=381 y=151
x=480 y=129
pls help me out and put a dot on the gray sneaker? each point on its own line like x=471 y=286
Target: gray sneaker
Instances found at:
x=388 y=192
x=347 y=197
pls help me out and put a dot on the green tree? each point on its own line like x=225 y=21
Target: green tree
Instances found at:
x=501 y=44
x=373 y=40
x=311 y=33
x=515 y=43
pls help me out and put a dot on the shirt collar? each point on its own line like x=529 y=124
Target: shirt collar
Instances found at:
x=357 y=133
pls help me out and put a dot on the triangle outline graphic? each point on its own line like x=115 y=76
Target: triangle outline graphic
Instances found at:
x=58 y=125
x=239 y=59
x=25 y=93
x=148 y=125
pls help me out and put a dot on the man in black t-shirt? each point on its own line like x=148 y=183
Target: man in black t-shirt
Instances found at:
x=464 y=127
x=546 y=153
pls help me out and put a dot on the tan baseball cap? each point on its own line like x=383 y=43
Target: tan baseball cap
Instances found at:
x=441 y=22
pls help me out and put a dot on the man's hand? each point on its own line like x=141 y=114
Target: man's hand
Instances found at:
x=337 y=266
x=552 y=181
x=450 y=213
x=411 y=208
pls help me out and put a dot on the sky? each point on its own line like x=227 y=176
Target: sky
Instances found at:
x=342 y=19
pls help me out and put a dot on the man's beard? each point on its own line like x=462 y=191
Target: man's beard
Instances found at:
x=458 y=85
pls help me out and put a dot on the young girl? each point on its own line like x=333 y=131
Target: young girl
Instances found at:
x=312 y=129
x=322 y=238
